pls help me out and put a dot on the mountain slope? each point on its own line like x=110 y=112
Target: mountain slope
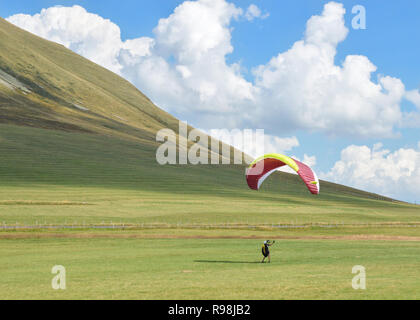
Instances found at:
x=73 y=133
x=67 y=91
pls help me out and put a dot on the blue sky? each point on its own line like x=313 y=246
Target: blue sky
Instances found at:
x=390 y=42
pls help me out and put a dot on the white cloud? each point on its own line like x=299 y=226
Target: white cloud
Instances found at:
x=183 y=69
x=414 y=97
x=246 y=140
x=410 y=119
x=395 y=174
x=308 y=160
x=327 y=28
x=305 y=86
x=198 y=36
x=88 y=34
x=248 y=144
x=254 y=12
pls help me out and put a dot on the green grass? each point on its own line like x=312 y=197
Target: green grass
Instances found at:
x=207 y=269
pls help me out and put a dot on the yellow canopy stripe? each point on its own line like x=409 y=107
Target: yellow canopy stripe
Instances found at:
x=285 y=159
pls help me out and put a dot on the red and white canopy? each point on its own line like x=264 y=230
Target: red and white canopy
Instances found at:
x=263 y=166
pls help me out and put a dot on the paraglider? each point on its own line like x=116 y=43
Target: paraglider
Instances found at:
x=265 y=165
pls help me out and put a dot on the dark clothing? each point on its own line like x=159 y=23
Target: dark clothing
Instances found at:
x=265 y=251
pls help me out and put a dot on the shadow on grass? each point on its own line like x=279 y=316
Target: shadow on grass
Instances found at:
x=225 y=261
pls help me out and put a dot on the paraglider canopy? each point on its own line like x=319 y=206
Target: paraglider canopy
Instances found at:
x=265 y=165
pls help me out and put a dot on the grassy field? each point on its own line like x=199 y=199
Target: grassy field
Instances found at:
x=207 y=269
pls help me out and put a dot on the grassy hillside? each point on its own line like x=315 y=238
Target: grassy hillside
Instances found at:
x=57 y=176
x=68 y=92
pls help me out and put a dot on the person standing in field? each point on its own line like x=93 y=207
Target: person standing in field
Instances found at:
x=266 y=251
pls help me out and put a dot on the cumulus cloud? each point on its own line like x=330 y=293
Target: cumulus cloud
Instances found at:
x=414 y=97
x=249 y=142
x=88 y=34
x=254 y=12
x=183 y=69
x=395 y=174
x=308 y=160
x=310 y=91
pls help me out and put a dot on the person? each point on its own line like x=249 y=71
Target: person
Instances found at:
x=266 y=251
